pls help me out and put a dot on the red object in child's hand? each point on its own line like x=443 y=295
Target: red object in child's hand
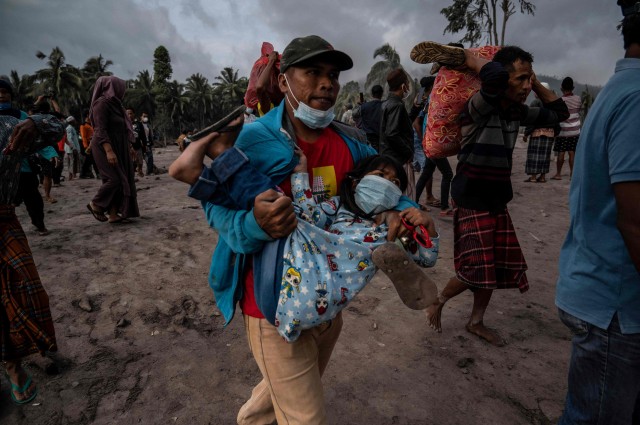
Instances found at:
x=422 y=237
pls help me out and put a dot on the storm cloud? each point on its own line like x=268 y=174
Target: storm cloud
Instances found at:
x=566 y=37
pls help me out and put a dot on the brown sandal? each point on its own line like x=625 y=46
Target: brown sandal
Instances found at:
x=97 y=214
x=415 y=289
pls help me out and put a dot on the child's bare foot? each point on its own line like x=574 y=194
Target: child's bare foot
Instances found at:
x=434 y=315
x=485 y=333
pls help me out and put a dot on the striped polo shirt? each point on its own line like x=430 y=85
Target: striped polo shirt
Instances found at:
x=571 y=127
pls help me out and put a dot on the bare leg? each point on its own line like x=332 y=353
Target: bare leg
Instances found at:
x=572 y=155
x=434 y=311
x=428 y=187
x=18 y=377
x=481 y=298
x=113 y=215
x=46 y=184
x=559 y=164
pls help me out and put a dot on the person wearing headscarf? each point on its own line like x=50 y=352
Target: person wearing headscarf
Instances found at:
x=116 y=199
x=26 y=326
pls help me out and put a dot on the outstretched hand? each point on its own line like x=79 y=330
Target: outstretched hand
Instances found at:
x=274 y=214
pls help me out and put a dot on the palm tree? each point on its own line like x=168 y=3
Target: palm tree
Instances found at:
x=23 y=88
x=230 y=88
x=61 y=80
x=140 y=94
x=94 y=68
x=378 y=72
x=200 y=96
x=349 y=94
x=177 y=103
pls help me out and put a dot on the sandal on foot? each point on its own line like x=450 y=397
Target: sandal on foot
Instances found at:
x=530 y=180
x=119 y=220
x=415 y=289
x=21 y=390
x=96 y=214
x=430 y=51
x=434 y=203
x=446 y=213
x=541 y=180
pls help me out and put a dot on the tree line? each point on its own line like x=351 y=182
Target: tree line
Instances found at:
x=172 y=105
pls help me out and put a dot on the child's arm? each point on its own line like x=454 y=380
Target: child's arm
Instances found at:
x=426 y=257
x=318 y=215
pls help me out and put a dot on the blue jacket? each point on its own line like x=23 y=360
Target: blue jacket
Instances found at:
x=269 y=144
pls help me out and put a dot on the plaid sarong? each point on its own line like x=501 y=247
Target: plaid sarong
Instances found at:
x=538 y=155
x=25 y=319
x=487 y=252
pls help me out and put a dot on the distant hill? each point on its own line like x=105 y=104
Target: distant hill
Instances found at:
x=555 y=82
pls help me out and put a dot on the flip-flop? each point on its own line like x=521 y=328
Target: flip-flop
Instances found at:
x=120 y=221
x=22 y=390
x=97 y=215
x=430 y=51
x=415 y=289
x=435 y=203
x=530 y=180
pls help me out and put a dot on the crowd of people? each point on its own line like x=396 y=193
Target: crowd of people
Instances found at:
x=309 y=208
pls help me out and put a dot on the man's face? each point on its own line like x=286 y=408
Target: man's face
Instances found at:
x=519 y=82
x=144 y=117
x=131 y=115
x=315 y=84
x=5 y=96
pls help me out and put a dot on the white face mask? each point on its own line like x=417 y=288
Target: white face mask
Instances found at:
x=145 y=119
x=312 y=118
x=375 y=194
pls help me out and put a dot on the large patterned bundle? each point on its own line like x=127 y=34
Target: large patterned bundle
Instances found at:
x=451 y=91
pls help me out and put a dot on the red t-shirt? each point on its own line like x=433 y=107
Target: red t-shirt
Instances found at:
x=328 y=160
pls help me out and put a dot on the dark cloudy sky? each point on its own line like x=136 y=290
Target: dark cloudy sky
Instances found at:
x=567 y=37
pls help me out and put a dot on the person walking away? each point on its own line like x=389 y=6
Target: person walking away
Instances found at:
x=426 y=177
x=569 y=129
x=86 y=134
x=539 y=150
x=369 y=115
x=139 y=144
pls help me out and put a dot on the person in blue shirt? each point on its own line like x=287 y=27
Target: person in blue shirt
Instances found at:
x=598 y=288
x=249 y=239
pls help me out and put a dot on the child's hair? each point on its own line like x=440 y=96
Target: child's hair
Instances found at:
x=362 y=168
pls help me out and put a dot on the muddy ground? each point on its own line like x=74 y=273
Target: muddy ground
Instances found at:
x=141 y=340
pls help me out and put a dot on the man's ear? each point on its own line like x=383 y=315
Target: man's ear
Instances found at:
x=282 y=83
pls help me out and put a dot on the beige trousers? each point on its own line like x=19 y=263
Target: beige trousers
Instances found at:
x=291 y=389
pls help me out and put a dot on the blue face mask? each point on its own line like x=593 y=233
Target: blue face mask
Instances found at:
x=375 y=194
x=5 y=105
x=312 y=118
